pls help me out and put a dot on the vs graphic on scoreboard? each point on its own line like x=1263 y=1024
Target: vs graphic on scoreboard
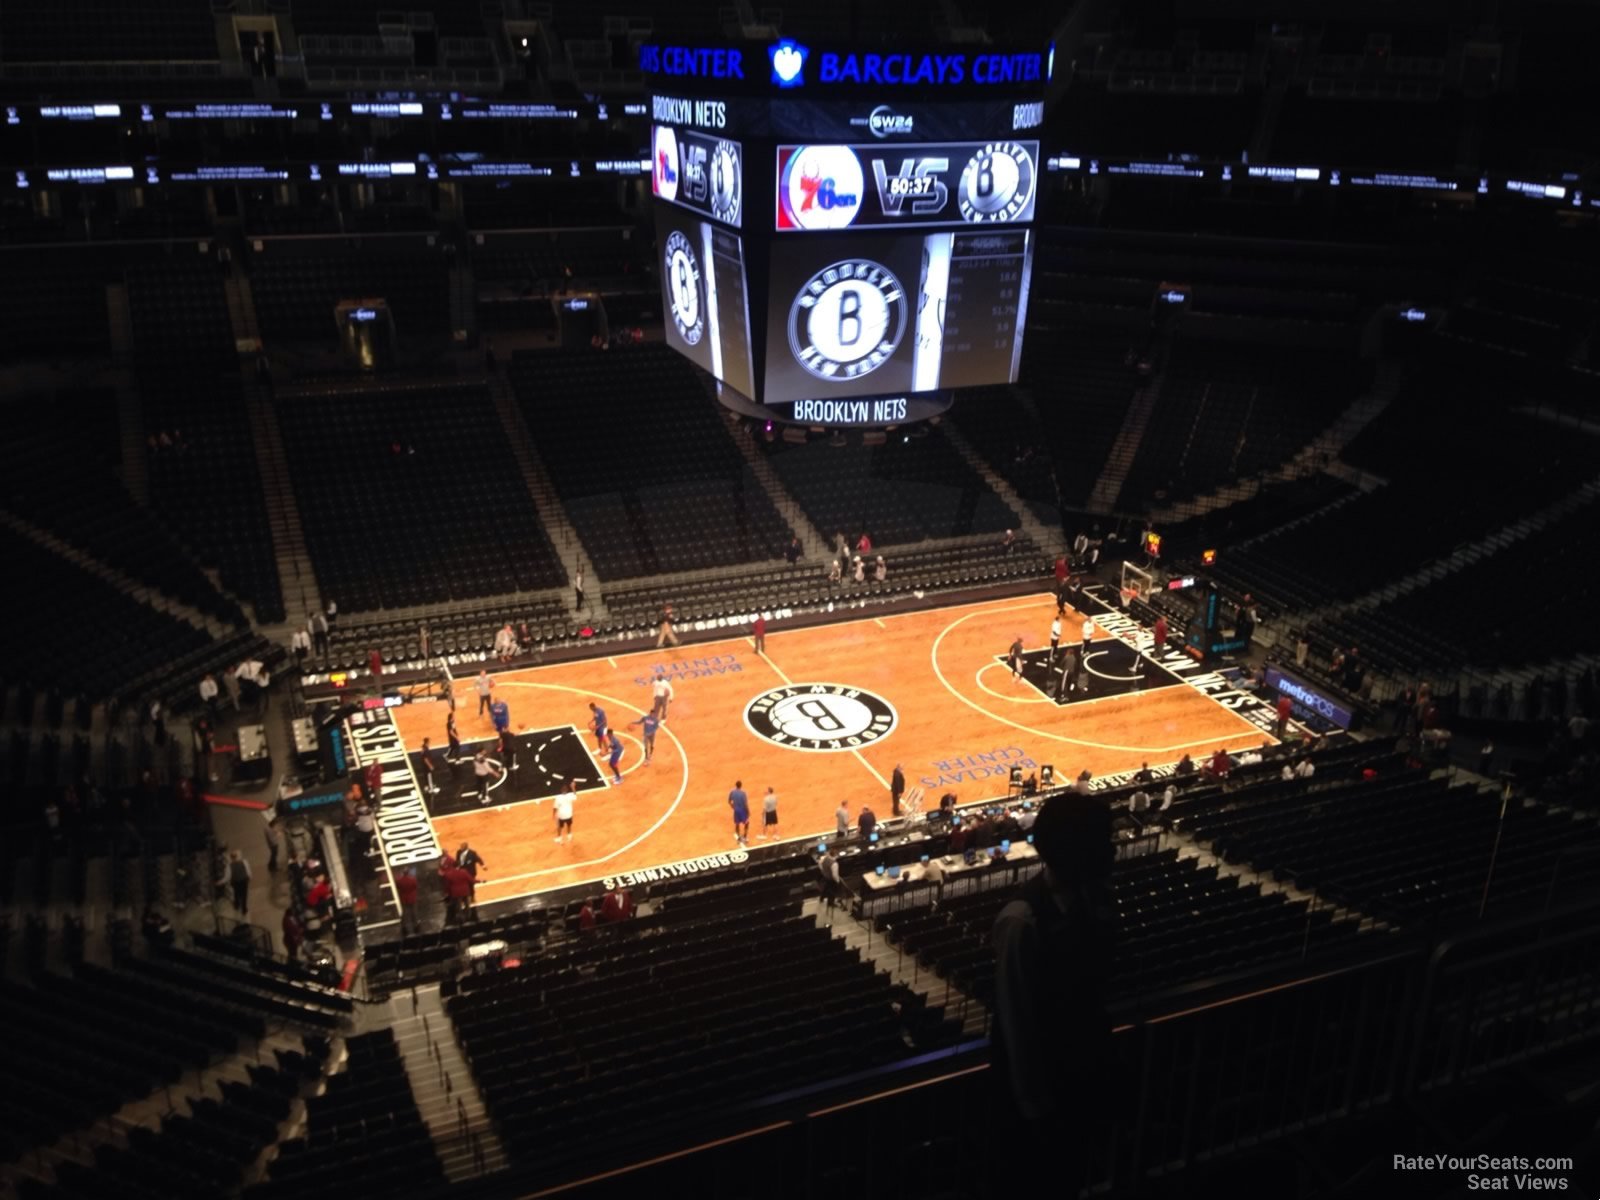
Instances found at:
x=828 y=187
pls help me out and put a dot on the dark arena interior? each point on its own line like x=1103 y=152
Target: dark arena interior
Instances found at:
x=862 y=598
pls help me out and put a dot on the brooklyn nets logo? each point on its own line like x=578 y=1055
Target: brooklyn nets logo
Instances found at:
x=726 y=186
x=848 y=319
x=821 y=718
x=996 y=184
x=683 y=284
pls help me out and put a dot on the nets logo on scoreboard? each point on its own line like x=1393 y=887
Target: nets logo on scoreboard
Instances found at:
x=683 y=286
x=665 y=169
x=821 y=718
x=847 y=320
x=997 y=183
x=819 y=187
x=727 y=183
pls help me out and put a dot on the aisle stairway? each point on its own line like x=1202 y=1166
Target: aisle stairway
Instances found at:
x=442 y=1082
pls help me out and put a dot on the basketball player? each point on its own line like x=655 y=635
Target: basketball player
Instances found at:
x=1088 y=635
x=485 y=768
x=454 y=754
x=649 y=724
x=597 y=722
x=1055 y=635
x=615 y=758
x=1015 y=654
x=1074 y=668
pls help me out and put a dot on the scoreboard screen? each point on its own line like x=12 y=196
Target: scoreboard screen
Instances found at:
x=823 y=187
x=704 y=296
x=875 y=313
x=699 y=172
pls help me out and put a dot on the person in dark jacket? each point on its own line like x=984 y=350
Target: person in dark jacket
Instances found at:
x=1053 y=951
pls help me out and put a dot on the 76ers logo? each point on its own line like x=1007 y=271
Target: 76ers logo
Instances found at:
x=820 y=188
x=683 y=288
x=848 y=319
x=821 y=718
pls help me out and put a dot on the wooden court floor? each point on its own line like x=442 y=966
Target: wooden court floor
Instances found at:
x=960 y=721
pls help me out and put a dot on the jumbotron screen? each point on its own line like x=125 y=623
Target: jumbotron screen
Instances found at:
x=858 y=308
x=707 y=309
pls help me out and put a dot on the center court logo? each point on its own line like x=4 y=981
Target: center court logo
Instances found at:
x=821 y=718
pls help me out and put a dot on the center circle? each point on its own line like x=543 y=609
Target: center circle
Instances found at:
x=820 y=718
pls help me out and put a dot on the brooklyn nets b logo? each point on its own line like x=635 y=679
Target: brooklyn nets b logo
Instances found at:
x=683 y=285
x=847 y=320
x=820 y=717
x=996 y=184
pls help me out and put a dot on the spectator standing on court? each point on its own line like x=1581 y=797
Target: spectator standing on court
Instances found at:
x=614 y=758
x=361 y=836
x=562 y=806
x=1015 y=656
x=457 y=891
x=483 y=685
x=740 y=804
x=841 y=819
x=426 y=767
x=1053 y=949
x=1159 y=634
x=239 y=882
x=867 y=821
x=485 y=769
x=648 y=725
x=663 y=695
x=769 y=814
x=506 y=748
x=759 y=629
x=897 y=787
x=470 y=861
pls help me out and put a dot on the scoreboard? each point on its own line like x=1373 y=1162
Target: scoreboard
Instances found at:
x=823 y=248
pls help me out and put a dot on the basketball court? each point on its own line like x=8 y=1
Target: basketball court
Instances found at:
x=824 y=715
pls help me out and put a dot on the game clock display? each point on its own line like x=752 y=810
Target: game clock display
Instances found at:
x=823 y=188
x=704 y=298
x=877 y=314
